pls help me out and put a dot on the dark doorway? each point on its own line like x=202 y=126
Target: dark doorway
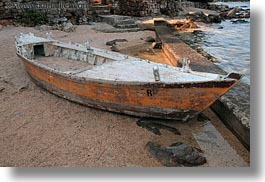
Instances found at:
x=39 y=51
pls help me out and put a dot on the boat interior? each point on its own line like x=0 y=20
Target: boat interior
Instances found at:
x=83 y=61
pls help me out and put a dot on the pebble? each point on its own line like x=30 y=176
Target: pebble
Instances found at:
x=150 y=39
x=114 y=48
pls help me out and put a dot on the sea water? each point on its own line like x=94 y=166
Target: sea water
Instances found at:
x=229 y=43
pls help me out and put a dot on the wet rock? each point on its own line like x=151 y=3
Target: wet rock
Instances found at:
x=232 y=12
x=177 y=154
x=156 y=45
x=237 y=12
x=197 y=31
x=245 y=15
x=150 y=39
x=155 y=126
x=212 y=18
x=205 y=54
x=114 y=48
x=239 y=21
x=218 y=7
x=113 y=42
x=201 y=17
x=192 y=25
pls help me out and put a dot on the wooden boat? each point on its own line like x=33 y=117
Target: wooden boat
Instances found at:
x=120 y=83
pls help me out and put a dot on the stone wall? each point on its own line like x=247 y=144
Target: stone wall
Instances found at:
x=53 y=9
x=152 y=7
x=79 y=11
x=146 y=7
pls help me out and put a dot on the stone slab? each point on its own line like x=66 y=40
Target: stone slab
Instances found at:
x=234 y=107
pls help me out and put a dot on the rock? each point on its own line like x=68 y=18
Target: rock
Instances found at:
x=43 y=28
x=121 y=40
x=192 y=25
x=218 y=7
x=187 y=24
x=150 y=39
x=223 y=14
x=113 y=42
x=114 y=48
x=245 y=15
x=68 y=27
x=6 y=22
x=23 y=88
x=214 y=18
x=60 y=20
x=1 y=27
x=232 y=12
x=201 y=17
x=2 y=89
x=202 y=117
x=110 y=43
x=163 y=156
x=197 y=31
x=177 y=154
x=155 y=126
x=156 y=45
x=150 y=50
x=239 y=21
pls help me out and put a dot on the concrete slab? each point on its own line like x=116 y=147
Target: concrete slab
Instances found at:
x=234 y=107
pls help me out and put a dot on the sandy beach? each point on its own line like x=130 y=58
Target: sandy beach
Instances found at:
x=38 y=128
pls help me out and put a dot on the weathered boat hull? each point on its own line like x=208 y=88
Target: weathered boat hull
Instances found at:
x=179 y=101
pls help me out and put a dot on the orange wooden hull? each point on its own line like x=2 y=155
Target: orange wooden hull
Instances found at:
x=170 y=101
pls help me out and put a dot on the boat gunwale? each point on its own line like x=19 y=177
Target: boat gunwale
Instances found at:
x=199 y=84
